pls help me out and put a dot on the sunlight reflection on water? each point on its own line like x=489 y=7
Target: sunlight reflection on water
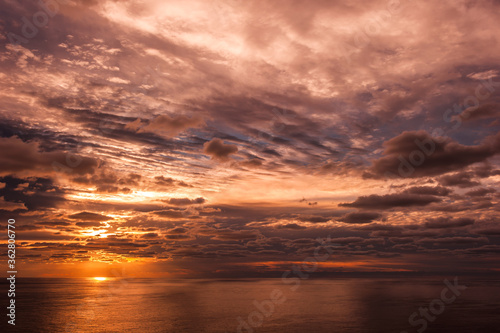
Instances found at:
x=154 y=305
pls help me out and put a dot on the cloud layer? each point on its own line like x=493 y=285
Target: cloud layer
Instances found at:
x=222 y=138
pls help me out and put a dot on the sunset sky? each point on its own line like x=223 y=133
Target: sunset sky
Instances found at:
x=221 y=138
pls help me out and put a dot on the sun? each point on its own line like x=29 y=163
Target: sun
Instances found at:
x=98 y=278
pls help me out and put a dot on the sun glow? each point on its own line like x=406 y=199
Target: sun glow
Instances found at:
x=100 y=278
x=94 y=233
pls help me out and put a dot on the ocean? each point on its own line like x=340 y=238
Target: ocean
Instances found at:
x=255 y=305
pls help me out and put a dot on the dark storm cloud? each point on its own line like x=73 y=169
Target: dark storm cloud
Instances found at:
x=492 y=231
x=170 y=213
x=271 y=152
x=460 y=179
x=185 y=201
x=480 y=192
x=47 y=139
x=35 y=193
x=88 y=224
x=18 y=157
x=177 y=230
x=447 y=222
x=453 y=240
x=315 y=219
x=386 y=201
x=150 y=235
x=235 y=235
x=293 y=226
x=54 y=224
x=360 y=218
x=428 y=190
x=116 y=127
x=418 y=154
x=179 y=237
x=486 y=170
x=121 y=128
x=484 y=111
x=88 y=216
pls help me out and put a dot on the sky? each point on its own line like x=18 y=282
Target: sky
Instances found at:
x=197 y=139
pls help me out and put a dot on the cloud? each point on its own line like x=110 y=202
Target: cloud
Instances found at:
x=485 y=170
x=492 y=231
x=54 y=224
x=446 y=222
x=150 y=235
x=417 y=154
x=375 y=201
x=177 y=230
x=484 y=111
x=88 y=224
x=236 y=235
x=314 y=218
x=20 y=157
x=88 y=216
x=360 y=218
x=11 y=206
x=218 y=149
x=428 y=190
x=480 y=192
x=293 y=226
x=134 y=125
x=109 y=182
x=178 y=237
x=34 y=193
x=453 y=240
x=170 y=213
x=185 y=201
x=460 y=179
x=169 y=182
x=167 y=125
x=251 y=163
x=295 y=106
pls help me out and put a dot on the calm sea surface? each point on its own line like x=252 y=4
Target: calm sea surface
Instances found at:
x=334 y=305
